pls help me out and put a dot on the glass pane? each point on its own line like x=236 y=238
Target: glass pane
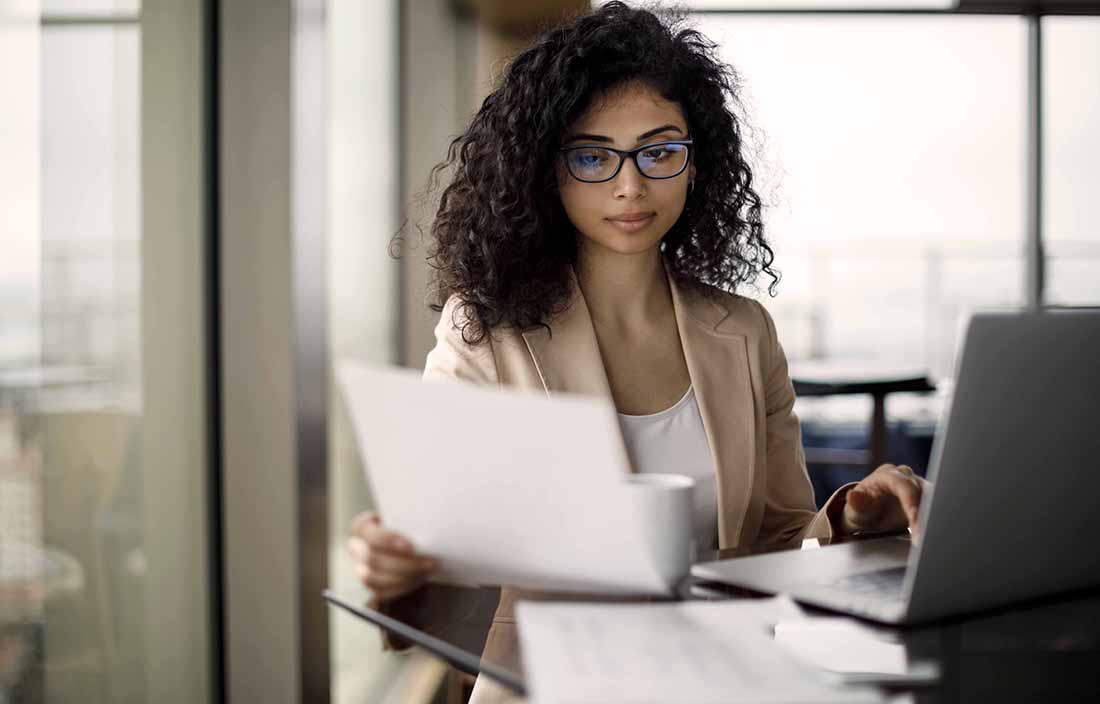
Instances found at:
x=1071 y=169
x=90 y=8
x=887 y=207
x=19 y=187
x=85 y=419
x=363 y=177
x=79 y=542
x=21 y=553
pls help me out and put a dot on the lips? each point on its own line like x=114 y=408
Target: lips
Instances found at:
x=632 y=222
x=631 y=217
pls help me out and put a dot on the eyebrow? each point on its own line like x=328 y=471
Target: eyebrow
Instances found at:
x=641 y=137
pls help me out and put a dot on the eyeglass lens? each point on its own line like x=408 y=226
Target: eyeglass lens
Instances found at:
x=599 y=164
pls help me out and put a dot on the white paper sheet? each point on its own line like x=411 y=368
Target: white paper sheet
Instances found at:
x=504 y=487
x=692 y=652
x=841 y=645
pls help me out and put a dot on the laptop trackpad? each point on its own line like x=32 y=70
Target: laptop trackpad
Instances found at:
x=782 y=571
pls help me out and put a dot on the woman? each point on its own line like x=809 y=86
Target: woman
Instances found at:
x=599 y=217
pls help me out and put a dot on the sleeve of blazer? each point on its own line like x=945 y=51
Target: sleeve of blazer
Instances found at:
x=451 y=613
x=789 y=509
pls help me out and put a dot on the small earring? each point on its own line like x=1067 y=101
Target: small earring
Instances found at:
x=691 y=186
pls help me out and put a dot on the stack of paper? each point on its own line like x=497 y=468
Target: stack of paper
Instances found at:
x=681 y=652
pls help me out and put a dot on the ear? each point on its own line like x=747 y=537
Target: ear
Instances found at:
x=691 y=172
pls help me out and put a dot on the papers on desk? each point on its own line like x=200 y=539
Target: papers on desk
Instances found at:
x=853 y=652
x=683 y=652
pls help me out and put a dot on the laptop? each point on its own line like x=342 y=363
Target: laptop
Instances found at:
x=1012 y=512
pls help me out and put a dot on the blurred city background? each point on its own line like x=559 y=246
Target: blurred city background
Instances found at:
x=895 y=152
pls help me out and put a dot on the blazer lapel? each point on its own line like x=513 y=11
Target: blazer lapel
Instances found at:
x=567 y=356
x=718 y=363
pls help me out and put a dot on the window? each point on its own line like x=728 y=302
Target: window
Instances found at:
x=891 y=151
x=1071 y=168
x=102 y=456
x=362 y=281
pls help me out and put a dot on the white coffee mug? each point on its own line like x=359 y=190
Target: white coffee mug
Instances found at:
x=664 y=504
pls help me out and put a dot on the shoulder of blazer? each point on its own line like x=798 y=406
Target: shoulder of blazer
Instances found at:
x=454 y=357
x=743 y=315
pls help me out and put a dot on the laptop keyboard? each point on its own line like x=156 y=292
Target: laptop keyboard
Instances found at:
x=885 y=583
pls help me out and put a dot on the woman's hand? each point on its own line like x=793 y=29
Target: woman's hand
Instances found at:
x=887 y=499
x=386 y=562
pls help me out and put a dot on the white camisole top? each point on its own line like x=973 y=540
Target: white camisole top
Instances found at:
x=673 y=441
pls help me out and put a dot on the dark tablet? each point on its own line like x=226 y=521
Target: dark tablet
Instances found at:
x=462 y=659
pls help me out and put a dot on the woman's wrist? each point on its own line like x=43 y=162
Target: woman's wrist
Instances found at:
x=835 y=512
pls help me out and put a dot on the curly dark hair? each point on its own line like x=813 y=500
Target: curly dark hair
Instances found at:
x=502 y=243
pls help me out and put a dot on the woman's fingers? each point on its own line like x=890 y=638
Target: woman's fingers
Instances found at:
x=378 y=538
x=377 y=579
x=385 y=586
x=399 y=564
x=386 y=562
x=886 y=499
x=864 y=506
x=367 y=526
x=365 y=522
x=358 y=548
x=907 y=489
x=383 y=594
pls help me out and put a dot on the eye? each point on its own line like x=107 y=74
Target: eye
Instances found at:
x=589 y=158
x=659 y=153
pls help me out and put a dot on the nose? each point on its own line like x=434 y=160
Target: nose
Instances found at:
x=629 y=182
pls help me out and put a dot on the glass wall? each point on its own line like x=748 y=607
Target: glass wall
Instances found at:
x=363 y=180
x=22 y=555
x=1071 y=168
x=891 y=153
x=78 y=531
x=87 y=426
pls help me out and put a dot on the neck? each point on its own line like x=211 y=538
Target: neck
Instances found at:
x=623 y=291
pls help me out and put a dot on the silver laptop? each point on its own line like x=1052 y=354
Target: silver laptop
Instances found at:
x=1016 y=474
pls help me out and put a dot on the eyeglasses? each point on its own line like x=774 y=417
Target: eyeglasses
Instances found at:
x=598 y=164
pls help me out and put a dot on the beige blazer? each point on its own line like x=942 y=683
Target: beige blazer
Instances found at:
x=745 y=397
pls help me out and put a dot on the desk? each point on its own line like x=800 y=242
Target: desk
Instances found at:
x=855 y=377
x=1046 y=650
x=1041 y=651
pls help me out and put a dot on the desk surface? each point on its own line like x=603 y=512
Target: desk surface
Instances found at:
x=1046 y=650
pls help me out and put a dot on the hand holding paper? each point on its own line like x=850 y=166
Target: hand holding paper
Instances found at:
x=506 y=487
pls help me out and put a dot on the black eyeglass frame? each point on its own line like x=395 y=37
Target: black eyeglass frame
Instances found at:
x=631 y=154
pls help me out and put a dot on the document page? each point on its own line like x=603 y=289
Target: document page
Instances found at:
x=505 y=487
x=694 y=652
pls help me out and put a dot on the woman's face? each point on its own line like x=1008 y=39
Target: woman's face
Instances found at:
x=630 y=213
